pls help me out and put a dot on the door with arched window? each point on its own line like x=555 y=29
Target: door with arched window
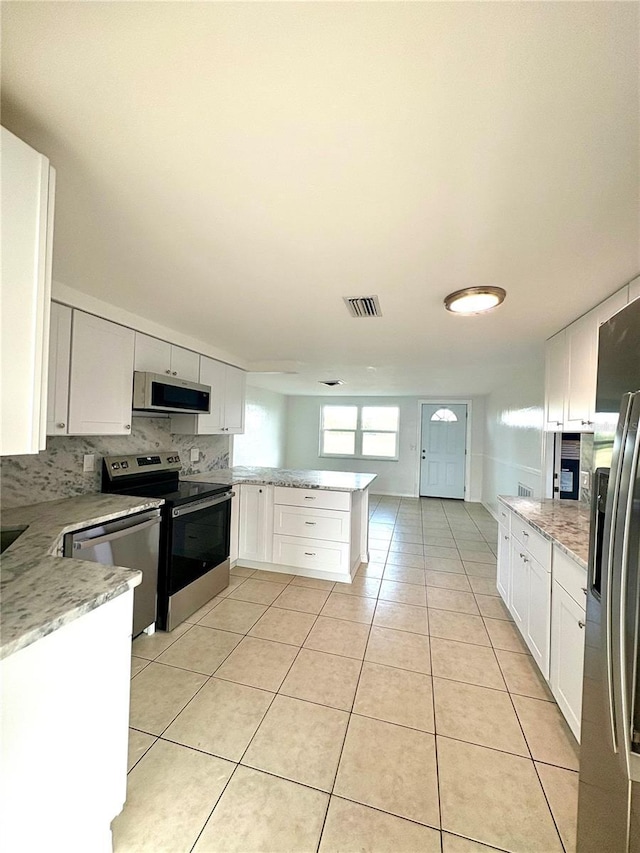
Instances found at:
x=443 y=450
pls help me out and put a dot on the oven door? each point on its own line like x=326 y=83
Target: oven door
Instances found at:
x=199 y=540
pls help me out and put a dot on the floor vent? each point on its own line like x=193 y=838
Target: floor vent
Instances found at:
x=363 y=306
x=524 y=491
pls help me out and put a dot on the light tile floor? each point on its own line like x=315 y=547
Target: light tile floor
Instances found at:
x=400 y=713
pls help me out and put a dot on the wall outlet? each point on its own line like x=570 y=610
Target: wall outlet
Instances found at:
x=89 y=462
x=194 y=454
x=585 y=480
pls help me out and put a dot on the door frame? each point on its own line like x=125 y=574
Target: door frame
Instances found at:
x=447 y=401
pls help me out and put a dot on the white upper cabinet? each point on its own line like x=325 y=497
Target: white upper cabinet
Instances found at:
x=228 y=386
x=555 y=381
x=102 y=358
x=571 y=368
x=634 y=289
x=156 y=356
x=582 y=362
x=27 y=192
x=59 y=362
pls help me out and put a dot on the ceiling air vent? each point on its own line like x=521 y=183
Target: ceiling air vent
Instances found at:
x=363 y=306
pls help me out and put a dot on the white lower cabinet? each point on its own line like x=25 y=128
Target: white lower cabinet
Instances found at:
x=539 y=614
x=518 y=599
x=567 y=655
x=545 y=591
x=567 y=636
x=64 y=731
x=255 y=522
x=318 y=532
x=503 y=579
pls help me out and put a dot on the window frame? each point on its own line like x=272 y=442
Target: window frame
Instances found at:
x=358 y=434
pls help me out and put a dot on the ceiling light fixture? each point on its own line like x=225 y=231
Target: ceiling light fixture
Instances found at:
x=331 y=382
x=474 y=300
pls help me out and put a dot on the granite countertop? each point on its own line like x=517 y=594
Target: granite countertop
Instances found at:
x=42 y=590
x=339 y=481
x=565 y=523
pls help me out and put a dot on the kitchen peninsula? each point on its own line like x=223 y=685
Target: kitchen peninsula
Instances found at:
x=311 y=523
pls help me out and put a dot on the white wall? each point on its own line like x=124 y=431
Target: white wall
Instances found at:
x=514 y=436
x=395 y=477
x=263 y=442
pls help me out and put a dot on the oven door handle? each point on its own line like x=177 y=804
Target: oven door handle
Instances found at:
x=83 y=544
x=198 y=505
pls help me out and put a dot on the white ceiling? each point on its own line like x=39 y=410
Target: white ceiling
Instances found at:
x=232 y=170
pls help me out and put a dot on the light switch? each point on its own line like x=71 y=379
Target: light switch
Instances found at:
x=585 y=480
x=194 y=454
x=89 y=463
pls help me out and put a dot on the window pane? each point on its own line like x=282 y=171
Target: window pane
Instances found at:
x=343 y=443
x=379 y=444
x=339 y=417
x=380 y=417
x=444 y=415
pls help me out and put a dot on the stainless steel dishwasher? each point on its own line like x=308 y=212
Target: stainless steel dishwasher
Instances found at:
x=133 y=543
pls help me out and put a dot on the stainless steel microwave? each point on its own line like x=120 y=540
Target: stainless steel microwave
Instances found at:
x=155 y=392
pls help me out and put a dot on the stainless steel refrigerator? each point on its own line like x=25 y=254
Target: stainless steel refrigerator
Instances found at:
x=609 y=789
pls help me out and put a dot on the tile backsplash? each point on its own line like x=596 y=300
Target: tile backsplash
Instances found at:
x=57 y=471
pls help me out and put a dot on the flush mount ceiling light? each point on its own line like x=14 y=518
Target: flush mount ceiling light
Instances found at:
x=474 y=300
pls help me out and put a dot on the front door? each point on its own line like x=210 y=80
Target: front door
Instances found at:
x=443 y=456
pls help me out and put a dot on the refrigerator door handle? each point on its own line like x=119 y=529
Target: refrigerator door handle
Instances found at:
x=626 y=570
x=611 y=585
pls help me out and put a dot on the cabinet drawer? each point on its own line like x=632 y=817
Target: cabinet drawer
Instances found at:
x=533 y=542
x=571 y=577
x=318 y=498
x=504 y=517
x=310 y=554
x=332 y=525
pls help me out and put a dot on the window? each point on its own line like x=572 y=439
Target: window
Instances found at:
x=444 y=415
x=362 y=432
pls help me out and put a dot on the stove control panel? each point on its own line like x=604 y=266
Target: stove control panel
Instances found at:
x=122 y=466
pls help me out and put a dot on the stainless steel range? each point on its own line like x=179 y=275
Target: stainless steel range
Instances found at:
x=195 y=530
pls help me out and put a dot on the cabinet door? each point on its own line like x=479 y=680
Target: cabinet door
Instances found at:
x=102 y=358
x=235 y=386
x=59 y=363
x=256 y=527
x=555 y=381
x=185 y=364
x=503 y=580
x=27 y=190
x=567 y=656
x=152 y=354
x=634 y=289
x=212 y=373
x=519 y=594
x=539 y=614
x=581 y=372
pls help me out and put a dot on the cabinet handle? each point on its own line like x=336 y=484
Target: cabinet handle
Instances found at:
x=587 y=423
x=506 y=537
x=559 y=423
x=580 y=624
x=310 y=553
x=168 y=372
x=524 y=533
x=175 y=373
x=127 y=426
x=311 y=523
x=60 y=426
x=584 y=589
x=309 y=498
